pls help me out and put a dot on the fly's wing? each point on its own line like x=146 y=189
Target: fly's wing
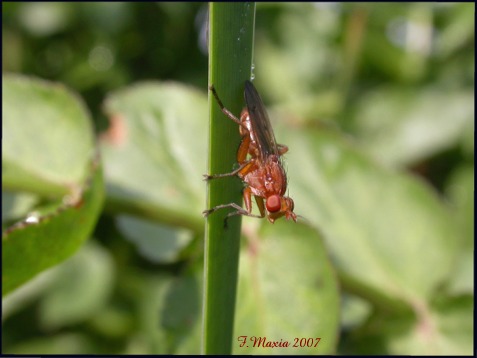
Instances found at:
x=260 y=123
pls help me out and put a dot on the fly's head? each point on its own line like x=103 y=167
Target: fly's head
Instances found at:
x=278 y=206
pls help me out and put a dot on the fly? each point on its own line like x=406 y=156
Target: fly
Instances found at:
x=260 y=162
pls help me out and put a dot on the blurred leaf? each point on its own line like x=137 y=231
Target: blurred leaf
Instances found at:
x=48 y=138
x=297 y=74
x=390 y=237
x=454 y=329
x=384 y=229
x=157 y=243
x=287 y=290
x=73 y=343
x=107 y=18
x=29 y=248
x=19 y=299
x=45 y=19
x=263 y=305
x=48 y=149
x=82 y=289
x=154 y=152
x=459 y=28
x=180 y=316
x=354 y=311
x=444 y=328
x=16 y=205
x=170 y=312
x=150 y=305
x=461 y=191
x=402 y=127
x=113 y=322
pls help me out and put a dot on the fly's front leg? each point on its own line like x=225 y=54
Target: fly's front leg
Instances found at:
x=223 y=206
x=242 y=170
x=245 y=165
x=261 y=205
x=239 y=211
x=247 y=198
x=247 y=195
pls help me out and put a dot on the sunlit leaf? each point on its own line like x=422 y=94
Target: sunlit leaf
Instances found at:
x=47 y=139
x=29 y=248
x=154 y=152
x=460 y=190
x=81 y=290
x=401 y=127
x=48 y=149
x=384 y=229
x=157 y=243
x=441 y=328
x=287 y=290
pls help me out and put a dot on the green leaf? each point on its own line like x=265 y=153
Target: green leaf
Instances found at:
x=392 y=240
x=48 y=149
x=29 y=248
x=152 y=297
x=442 y=328
x=157 y=243
x=176 y=300
x=22 y=297
x=460 y=190
x=154 y=152
x=457 y=31
x=16 y=205
x=400 y=128
x=388 y=233
x=82 y=288
x=181 y=312
x=48 y=137
x=287 y=290
x=72 y=343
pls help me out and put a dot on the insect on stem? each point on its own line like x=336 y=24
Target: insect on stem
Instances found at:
x=260 y=160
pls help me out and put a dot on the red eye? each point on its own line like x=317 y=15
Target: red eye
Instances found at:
x=273 y=203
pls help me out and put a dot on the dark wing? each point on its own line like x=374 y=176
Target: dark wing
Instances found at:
x=261 y=126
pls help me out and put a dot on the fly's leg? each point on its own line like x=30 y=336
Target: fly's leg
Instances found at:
x=223 y=206
x=247 y=195
x=244 y=144
x=261 y=205
x=247 y=198
x=244 y=169
x=245 y=165
x=239 y=211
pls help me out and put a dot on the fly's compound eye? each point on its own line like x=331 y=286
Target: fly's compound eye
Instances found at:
x=273 y=203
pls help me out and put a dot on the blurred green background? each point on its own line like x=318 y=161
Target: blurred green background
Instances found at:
x=396 y=79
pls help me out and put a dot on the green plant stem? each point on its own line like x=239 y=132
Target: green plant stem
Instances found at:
x=231 y=27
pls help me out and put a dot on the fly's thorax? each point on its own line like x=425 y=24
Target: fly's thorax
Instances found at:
x=268 y=178
x=275 y=178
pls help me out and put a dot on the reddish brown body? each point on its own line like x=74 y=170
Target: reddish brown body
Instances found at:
x=260 y=162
